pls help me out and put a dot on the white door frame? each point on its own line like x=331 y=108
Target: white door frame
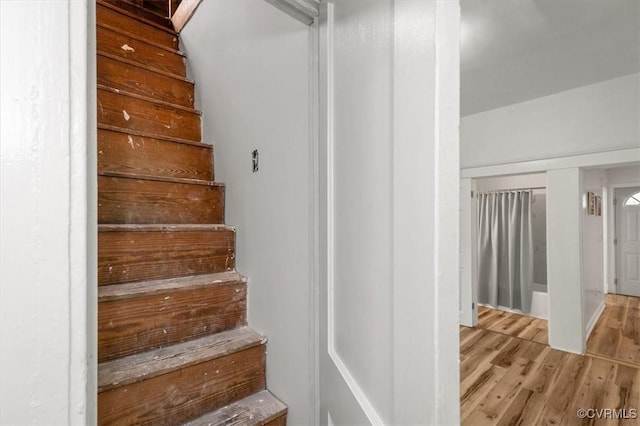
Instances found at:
x=612 y=266
x=468 y=253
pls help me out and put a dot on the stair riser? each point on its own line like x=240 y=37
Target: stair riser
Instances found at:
x=158 y=16
x=138 y=324
x=279 y=421
x=138 y=256
x=136 y=50
x=185 y=394
x=120 y=75
x=109 y=17
x=133 y=201
x=115 y=109
x=122 y=153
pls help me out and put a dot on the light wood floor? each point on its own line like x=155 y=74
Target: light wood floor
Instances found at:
x=510 y=376
x=616 y=335
x=524 y=327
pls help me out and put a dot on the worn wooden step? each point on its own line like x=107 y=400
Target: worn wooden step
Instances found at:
x=122 y=74
x=181 y=382
x=140 y=113
x=127 y=199
x=119 y=19
x=155 y=15
x=139 y=51
x=259 y=409
x=136 y=317
x=128 y=253
x=122 y=152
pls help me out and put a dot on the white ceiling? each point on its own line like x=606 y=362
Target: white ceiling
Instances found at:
x=515 y=50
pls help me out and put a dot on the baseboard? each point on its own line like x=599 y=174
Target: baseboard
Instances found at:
x=592 y=322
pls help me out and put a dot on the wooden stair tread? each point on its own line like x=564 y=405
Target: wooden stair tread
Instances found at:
x=120 y=108
x=144 y=12
x=257 y=409
x=130 y=154
x=140 y=39
x=153 y=135
x=131 y=199
x=136 y=17
x=139 y=176
x=143 y=66
x=126 y=227
x=149 y=99
x=135 y=289
x=129 y=252
x=134 y=368
x=114 y=18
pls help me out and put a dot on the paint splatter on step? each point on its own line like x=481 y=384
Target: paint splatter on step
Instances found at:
x=130 y=139
x=126 y=115
x=127 y=48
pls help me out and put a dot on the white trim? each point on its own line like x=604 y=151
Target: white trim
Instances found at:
x=353 y=385
x=592 y=322
x=447 y=222
x=304 y=11
x=595 y=159
x=468 y=254
x=612 y=267
x=82 y=404
x=314 y=231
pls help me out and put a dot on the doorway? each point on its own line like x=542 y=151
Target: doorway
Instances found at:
x=512 y=253
x=627 y=241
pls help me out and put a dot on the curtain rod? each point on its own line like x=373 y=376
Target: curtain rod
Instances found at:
x=514 y=189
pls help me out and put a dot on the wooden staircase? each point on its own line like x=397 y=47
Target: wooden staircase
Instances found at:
x=173 y=341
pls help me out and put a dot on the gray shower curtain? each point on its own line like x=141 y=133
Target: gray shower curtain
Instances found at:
x=505 y=249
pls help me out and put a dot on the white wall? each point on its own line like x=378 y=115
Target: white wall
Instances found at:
x=47 y=222
x=388 y=155
x=593 y=118
x=250 y=63
x=623 y=175
x=363 y=190
x=564 y=259
x=593 y=259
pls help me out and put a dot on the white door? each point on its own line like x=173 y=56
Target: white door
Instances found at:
x=628 y=241
x=388 y=220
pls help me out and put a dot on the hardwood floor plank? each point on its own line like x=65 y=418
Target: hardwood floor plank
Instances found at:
x=512 y=324
x=616 y=335
x=543 y=378
x=523 y=410
x=568 y=381
x=511 y=381
x=510 y=376
x=481 y=382
x=502 y=395
x=599 y=378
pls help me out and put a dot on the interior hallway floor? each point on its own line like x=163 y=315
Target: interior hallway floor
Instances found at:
x=515 y=325
x=510 y=376
x=616 y=335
